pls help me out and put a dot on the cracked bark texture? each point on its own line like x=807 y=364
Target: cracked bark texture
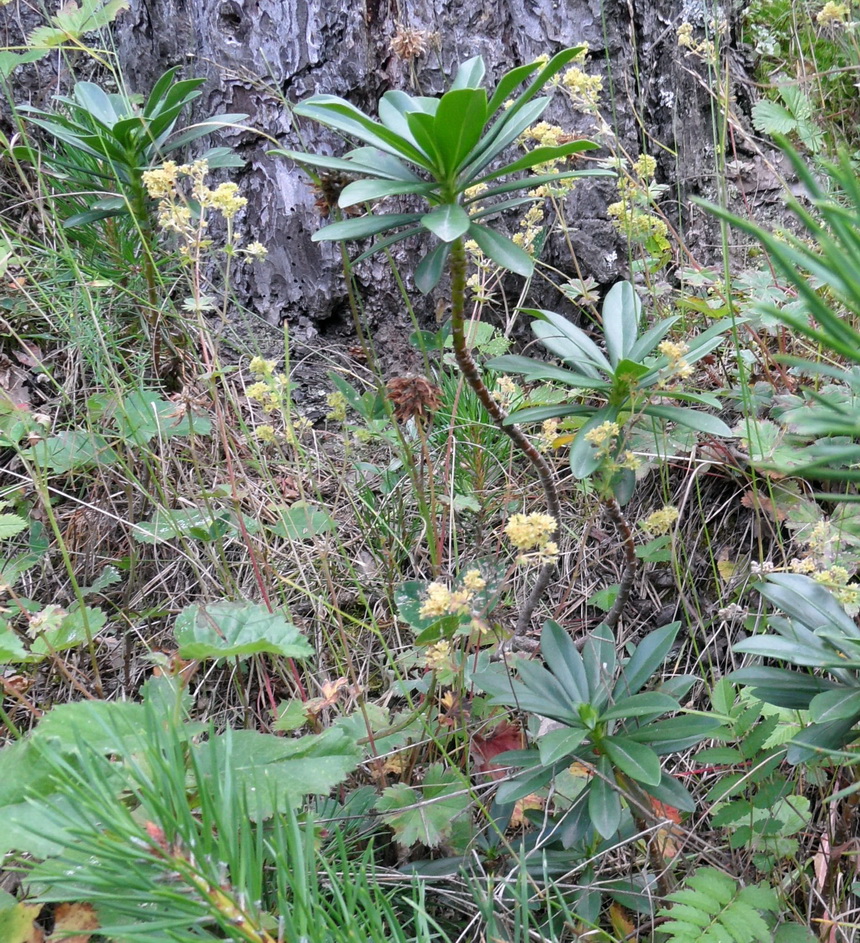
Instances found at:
x=258 y=53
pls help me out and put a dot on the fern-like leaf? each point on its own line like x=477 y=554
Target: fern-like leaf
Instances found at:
x=713 y=909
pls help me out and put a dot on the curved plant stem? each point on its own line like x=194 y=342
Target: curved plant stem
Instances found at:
x=622 y=525
x=472 y=375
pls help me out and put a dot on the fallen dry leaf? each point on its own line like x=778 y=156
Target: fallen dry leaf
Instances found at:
x=77 y=919
x=505 y=736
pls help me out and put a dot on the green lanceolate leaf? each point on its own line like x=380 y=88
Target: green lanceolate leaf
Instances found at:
x=568 y=342
x=634 y=759
x=558 y=744
x=365 y=226
x=540 y=155
x=641 y=705
x=431 y=268
x=604 y=804
x=622 y=310
x=808 y=602
x=337 y=113
x=369 y=191
x=502 y=250
x=692 y=419
x=458 y=124
x=541 y=370
x=448 y=222
x=835 y=705
x=644 y=662
x=566 y=662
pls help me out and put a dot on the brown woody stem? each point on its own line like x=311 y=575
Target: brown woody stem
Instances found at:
x=472 y=375
x=631 y=564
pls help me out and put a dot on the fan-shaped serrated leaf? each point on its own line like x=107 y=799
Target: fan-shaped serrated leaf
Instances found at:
x=10 y=525
x=424 y=815
x=237 y=629
x=772 y=118
x=277 y=773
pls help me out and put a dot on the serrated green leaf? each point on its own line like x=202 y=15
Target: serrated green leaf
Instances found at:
x=302 y=521
x=12 y=649
x=277 y=773
x=77 y=627
x=424 y=815
x=71 y=451
x=237 y=629
x=772 y=118
x=10 y=525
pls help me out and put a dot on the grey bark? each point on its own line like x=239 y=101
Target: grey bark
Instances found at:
x=260 y=55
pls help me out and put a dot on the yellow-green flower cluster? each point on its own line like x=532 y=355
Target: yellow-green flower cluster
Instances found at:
x=265 y=433
x=584 y=89
x=438 y=656
x=225 y=197
x=261 y=367
x=645 y=166
x=337 y=407
x=161 y=181
x=505 y=391
x=637 y=225
x=530 y=227
x=674 y=352
x=603 y=437
x=660 y=522
x=440 y=601
x=548 y=435
x=269 y=388
x=836 y=579
x=531 y=533
x=479 y=282
x=833 y=13
x=165 y=184
x=254 y=252
x=545 y=134
x=704 y=48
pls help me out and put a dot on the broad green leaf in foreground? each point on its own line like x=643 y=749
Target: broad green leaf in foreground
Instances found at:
x=275 y=772
x=230 y=629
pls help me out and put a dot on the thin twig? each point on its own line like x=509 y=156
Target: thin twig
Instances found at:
x=631 y=564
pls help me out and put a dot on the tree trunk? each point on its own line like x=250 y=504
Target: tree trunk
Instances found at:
x=262 y=55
